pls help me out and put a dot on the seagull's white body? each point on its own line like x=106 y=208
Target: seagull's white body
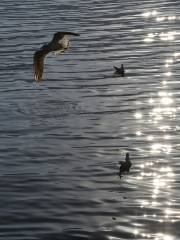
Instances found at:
x=64 y=42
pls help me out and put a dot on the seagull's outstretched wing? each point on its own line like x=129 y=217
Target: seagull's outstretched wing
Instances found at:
x=72 y=33
x=38 y=64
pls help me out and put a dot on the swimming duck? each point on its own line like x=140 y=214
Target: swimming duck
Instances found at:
x=120 y=71
x=59 y=44
x=125 y=165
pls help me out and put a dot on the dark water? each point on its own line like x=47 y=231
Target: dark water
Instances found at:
x=60 y=141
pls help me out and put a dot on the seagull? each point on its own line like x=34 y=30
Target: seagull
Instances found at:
x=59 y=44
x=125 y=165
x=120 y=71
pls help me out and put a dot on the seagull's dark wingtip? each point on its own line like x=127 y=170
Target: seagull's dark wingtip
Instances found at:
x=72 y=33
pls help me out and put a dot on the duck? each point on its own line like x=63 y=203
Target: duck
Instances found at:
x=125 y=165
x=119 y=70
x=59 y=45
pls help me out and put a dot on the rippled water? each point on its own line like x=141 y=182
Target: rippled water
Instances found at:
x=61 y=140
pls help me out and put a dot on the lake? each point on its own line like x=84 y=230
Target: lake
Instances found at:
x=61 y=140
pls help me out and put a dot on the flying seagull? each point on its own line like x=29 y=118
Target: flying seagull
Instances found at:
x=59 y=44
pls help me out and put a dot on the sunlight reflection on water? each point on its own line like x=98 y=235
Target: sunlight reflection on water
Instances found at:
x=163 y=111
x=164 y=36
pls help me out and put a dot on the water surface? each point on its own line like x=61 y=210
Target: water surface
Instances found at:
x=61 y=140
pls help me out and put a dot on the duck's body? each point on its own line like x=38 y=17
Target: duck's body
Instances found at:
x=59 y=44
x=125 y=165
x=120 y=71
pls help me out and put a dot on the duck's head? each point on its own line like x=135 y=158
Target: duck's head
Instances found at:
x=127 y=156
